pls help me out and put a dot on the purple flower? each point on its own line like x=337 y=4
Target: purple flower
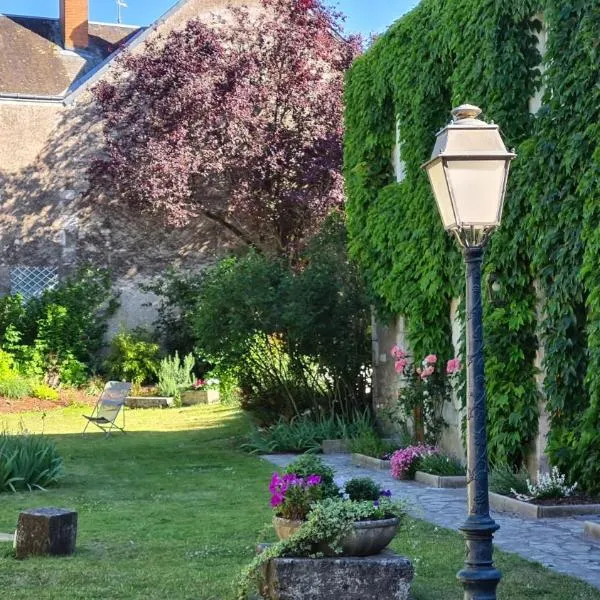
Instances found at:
x=386 y=493
x=277 y=500
x=376 y=504
x=313 y=480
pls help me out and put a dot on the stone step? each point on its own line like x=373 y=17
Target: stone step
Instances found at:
x=7 y=537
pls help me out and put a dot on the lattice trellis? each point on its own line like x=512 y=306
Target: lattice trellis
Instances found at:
x=31 y=282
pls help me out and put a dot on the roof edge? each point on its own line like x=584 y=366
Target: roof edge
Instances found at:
x=94 y=75
x=10 y=97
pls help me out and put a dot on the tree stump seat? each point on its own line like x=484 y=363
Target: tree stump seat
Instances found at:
x=42 y=531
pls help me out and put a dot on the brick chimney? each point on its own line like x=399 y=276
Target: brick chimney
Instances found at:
x=74 y=23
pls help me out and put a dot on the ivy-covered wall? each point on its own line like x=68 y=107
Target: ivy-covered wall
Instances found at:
x=546 y=255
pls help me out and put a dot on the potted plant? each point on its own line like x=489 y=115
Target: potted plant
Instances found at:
x=291 y=499
x=351 y=524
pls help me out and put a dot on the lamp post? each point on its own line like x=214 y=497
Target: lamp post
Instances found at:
x=468 y=172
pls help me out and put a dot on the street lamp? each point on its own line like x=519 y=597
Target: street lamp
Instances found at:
x=468 y=172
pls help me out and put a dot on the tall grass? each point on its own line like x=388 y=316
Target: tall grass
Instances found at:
x=28 y=462
x=305 y=434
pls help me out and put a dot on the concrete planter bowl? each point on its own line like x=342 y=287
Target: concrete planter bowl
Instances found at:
x=367 y=537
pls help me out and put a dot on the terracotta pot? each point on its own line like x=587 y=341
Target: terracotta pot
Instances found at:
x=284 y=528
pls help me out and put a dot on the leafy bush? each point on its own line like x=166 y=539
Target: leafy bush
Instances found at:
x=362 y=488
x=175 y=375
x=28 y=462
x=6 y=364
x=58 y=336
x=371 y=444
x=296 y=337
x=15 y=386
x=44 y=392
x=503 y=479
x=439 y=464
x=309 y=464
x=133 y=357
x=303 y=434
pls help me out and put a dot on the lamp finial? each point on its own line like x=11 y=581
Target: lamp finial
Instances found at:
x=465 y=111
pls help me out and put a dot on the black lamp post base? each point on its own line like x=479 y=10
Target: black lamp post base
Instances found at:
x=479 y=576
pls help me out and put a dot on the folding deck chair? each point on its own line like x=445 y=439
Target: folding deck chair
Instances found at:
x=110 y=403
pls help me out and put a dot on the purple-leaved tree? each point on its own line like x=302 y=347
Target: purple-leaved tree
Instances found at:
x=239 y=121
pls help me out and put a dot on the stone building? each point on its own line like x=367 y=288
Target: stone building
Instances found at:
x=50 y=132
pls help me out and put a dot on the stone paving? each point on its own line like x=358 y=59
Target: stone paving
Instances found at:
x=555 y=543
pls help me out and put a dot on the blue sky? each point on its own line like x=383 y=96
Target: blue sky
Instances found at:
x=364 y=16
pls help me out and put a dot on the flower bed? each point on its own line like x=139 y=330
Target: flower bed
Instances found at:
x=549 y=497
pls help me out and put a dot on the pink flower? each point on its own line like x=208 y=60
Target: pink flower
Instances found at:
x=397 y=352
x=431 y=359
x=400 y=364
x=427 y=372
x=401 y=460
x=453 y=366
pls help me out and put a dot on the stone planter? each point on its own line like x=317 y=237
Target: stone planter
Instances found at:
x=533 y=511
x=192 y=397
x=366 y=539
x=368 y=462
x=441 y=481
x=149 y=401
x=284 y=528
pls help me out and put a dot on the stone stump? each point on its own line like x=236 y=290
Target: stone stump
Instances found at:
x=45 y=531
x=384 y=576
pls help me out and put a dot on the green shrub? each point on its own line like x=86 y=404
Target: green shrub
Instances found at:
x=133 y=357
x=309 y=464
x=175 y=375
x=304 y=434
x=439 y=464
x=503 y=479
x=44 y=392
x=58 y=336
x=295 y=336
x=15 y=386
x=6 y=364
x=371 y=444
x=28 y=462
x=362 y=488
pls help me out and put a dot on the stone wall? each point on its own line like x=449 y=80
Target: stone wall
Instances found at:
x=50 y=217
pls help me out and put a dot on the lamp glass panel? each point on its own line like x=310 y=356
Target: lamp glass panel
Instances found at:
x=437 y=177
x=477 y=187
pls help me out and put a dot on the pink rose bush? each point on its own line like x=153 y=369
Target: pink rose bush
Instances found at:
x=403 y=461
x=425 y=388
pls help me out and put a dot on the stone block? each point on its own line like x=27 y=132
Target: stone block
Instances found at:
x=441 y=481
x=384 y=576
x=368 y=462
x=193 y=397
x=591 y=529
x=46 y=531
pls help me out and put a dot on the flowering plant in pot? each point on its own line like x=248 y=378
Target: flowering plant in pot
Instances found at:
x=425 y=387
x=347 y=525
x=291 y=498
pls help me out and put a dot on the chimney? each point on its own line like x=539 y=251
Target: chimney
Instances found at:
x=74 y=23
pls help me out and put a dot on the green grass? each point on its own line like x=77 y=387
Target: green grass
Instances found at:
x=173 y=509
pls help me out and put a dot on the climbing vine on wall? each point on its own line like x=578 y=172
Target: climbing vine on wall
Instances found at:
x=546 y=255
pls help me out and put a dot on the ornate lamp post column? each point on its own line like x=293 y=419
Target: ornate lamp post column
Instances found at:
x=468 y=172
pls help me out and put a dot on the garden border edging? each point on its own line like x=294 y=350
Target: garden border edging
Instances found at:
x=502 y=503
x=441 y=481
x=368 y=462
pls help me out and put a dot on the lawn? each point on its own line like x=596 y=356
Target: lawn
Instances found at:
x=173 y=509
